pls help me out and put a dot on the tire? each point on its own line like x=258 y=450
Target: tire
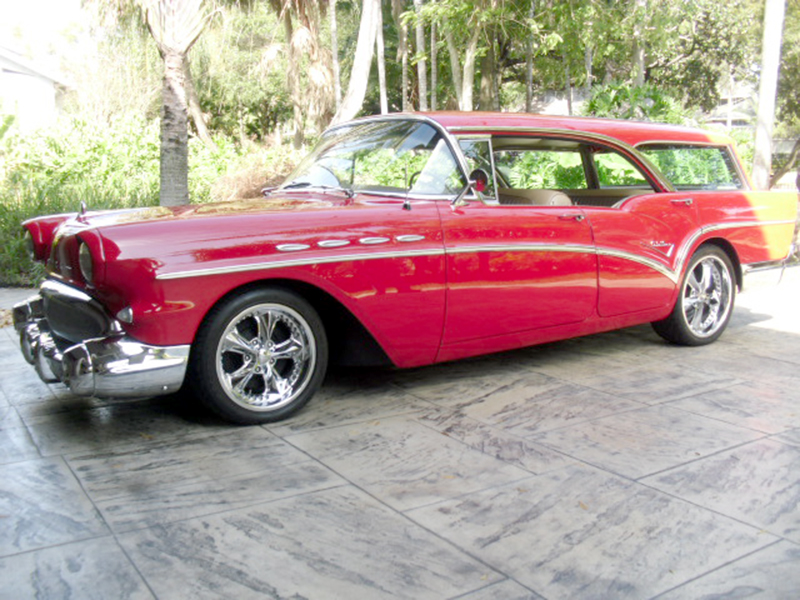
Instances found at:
x=705 y=302
x=259 y=357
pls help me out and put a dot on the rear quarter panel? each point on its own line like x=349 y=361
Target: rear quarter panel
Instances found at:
x=759 y=225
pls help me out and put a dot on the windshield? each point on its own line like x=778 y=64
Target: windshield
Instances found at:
x=394 y=157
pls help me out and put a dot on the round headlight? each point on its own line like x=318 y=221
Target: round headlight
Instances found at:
x=30 y=247
x=86 y=263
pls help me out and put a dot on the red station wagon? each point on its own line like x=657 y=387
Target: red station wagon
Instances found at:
x=407 y=239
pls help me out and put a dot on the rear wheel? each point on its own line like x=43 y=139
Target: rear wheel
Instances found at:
x=705 y=303
x=259 y=357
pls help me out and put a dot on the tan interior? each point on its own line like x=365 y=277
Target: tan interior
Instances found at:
x=533 y=197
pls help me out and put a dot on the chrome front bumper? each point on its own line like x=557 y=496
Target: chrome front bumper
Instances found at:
x=111 y=366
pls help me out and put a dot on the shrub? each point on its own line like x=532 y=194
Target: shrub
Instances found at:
x=113 y=165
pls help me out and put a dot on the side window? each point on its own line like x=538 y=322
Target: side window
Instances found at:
x=616 y=171
x=478 y=153
x=541 y=169
x=416 y=157
x=695 y=167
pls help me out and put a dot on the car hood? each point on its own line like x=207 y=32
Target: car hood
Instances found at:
x=238 y=207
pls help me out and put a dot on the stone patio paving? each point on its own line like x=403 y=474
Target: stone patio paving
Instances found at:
x=613 y=466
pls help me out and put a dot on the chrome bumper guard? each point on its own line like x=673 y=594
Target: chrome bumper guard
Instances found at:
x=110 y=367
x=761 y=275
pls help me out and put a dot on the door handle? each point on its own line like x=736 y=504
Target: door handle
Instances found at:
x=684 y=201
x=572 y=217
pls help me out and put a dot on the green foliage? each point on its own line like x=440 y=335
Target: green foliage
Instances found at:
x=117 y=166
x=694 y=168
x=644 y=103
x=387 y=168
x=542 y=170
x=613 y=170
x=239 y=67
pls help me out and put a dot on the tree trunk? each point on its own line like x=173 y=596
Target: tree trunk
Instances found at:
x=195 y=111
x=404 y=65
x=174 y=133
x=640 y=10
x=434 y=66
x=293 y=82
x=337 y=80
x=790 y=162
x=588 y=59
x=362 y=62
x=455 y=67
x=381 y=64
x=488 y=67
x=568 y=85
x=767 y=91
x=468 y=77
x=402 y=50
x=422 y=68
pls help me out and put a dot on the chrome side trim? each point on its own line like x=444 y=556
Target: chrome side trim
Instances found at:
x=563 y=248
x=333 y=243
x=372 y=241
x=300 y=262
x=410 y=238
x=688 y=244
x=670 y=274
x=291 y=247
x=570 y=248
x=719 y=226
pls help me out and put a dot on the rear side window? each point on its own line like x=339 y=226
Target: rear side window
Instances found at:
x=695 y=167
x=616 y=171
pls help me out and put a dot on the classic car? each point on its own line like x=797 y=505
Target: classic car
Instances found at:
x=406 y=239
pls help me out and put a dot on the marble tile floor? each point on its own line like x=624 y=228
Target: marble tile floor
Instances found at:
x=613 y=466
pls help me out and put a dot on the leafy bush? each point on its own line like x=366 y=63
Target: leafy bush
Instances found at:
x=106 y=166
x=542 y=170
x=643 y=103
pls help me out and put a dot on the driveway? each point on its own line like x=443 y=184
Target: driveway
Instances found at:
x=612 y=466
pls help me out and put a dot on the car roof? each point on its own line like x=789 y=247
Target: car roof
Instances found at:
x=629 y=132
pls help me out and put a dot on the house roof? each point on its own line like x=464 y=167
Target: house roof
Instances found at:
x=14 y=62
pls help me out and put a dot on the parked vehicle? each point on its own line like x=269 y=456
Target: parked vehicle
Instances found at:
x=406 y=239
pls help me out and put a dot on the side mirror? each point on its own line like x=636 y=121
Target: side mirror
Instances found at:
x=478 y=182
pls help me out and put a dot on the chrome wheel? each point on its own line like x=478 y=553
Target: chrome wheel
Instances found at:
x=705 y=302
x=707 y=296
x=259 y=357
x=265 y=357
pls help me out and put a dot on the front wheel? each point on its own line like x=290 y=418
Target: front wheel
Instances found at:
x=259 y=357
x=705 y=303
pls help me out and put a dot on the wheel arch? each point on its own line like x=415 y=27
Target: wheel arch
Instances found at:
x=350 y=342
x=730 y=251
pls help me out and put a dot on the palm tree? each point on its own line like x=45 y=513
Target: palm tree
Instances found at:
x=175 y=26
